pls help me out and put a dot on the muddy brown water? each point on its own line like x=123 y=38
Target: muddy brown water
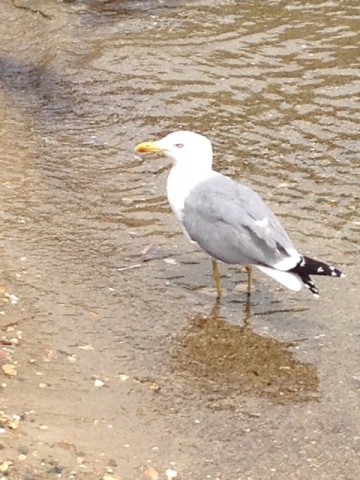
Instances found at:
x=125 y=366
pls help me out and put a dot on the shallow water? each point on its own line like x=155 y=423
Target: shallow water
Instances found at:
x=110 y=290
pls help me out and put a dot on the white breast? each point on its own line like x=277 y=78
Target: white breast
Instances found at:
x=180 y=182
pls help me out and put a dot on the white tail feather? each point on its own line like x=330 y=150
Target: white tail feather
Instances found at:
x=289 y=280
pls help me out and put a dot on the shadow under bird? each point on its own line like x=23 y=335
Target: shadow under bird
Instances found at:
x=229 y=220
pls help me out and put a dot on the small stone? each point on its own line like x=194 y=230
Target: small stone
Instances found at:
x=9 y=370
x=57 y=471
x=86 y=347
x=12 y=297
x=13 y=422
x=171 y=473
x=151 y=474
x=5 y=465
x=23 y=450
x=170 y=261
x=108 y=476
x=99 y=383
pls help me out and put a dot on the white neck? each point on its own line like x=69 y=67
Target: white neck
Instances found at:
x=180 y=182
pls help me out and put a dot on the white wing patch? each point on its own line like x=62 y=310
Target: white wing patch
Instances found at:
x=289 y=280
x=262 y=223
x=289 y=262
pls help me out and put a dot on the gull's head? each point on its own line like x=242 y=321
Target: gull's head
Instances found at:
x=185 y=149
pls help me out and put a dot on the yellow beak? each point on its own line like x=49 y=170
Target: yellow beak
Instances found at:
x=148 y=147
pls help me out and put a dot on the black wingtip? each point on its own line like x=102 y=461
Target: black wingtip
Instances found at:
x=308 y=266
x=310 y=285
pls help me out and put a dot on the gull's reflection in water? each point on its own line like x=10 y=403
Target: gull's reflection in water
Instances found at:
x=226 y=359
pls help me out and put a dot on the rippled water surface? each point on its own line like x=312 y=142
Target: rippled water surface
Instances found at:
x=108 y=290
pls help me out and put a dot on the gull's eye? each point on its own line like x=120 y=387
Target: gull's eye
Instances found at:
x=179 y=145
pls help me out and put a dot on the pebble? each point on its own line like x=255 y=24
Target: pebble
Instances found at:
x=151 y=474
x=5 y=465
x=10 y=421
x=170 y=473
x=13 y=422
x=170 y=261
x=57 y=471
x=12 y=297
x=108 y=476
x=23 y=450
x=9 y=370
x=86 y=347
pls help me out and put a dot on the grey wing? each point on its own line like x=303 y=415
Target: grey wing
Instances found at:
x=232 y=223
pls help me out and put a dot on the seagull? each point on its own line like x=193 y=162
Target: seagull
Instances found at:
x=229 y=220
